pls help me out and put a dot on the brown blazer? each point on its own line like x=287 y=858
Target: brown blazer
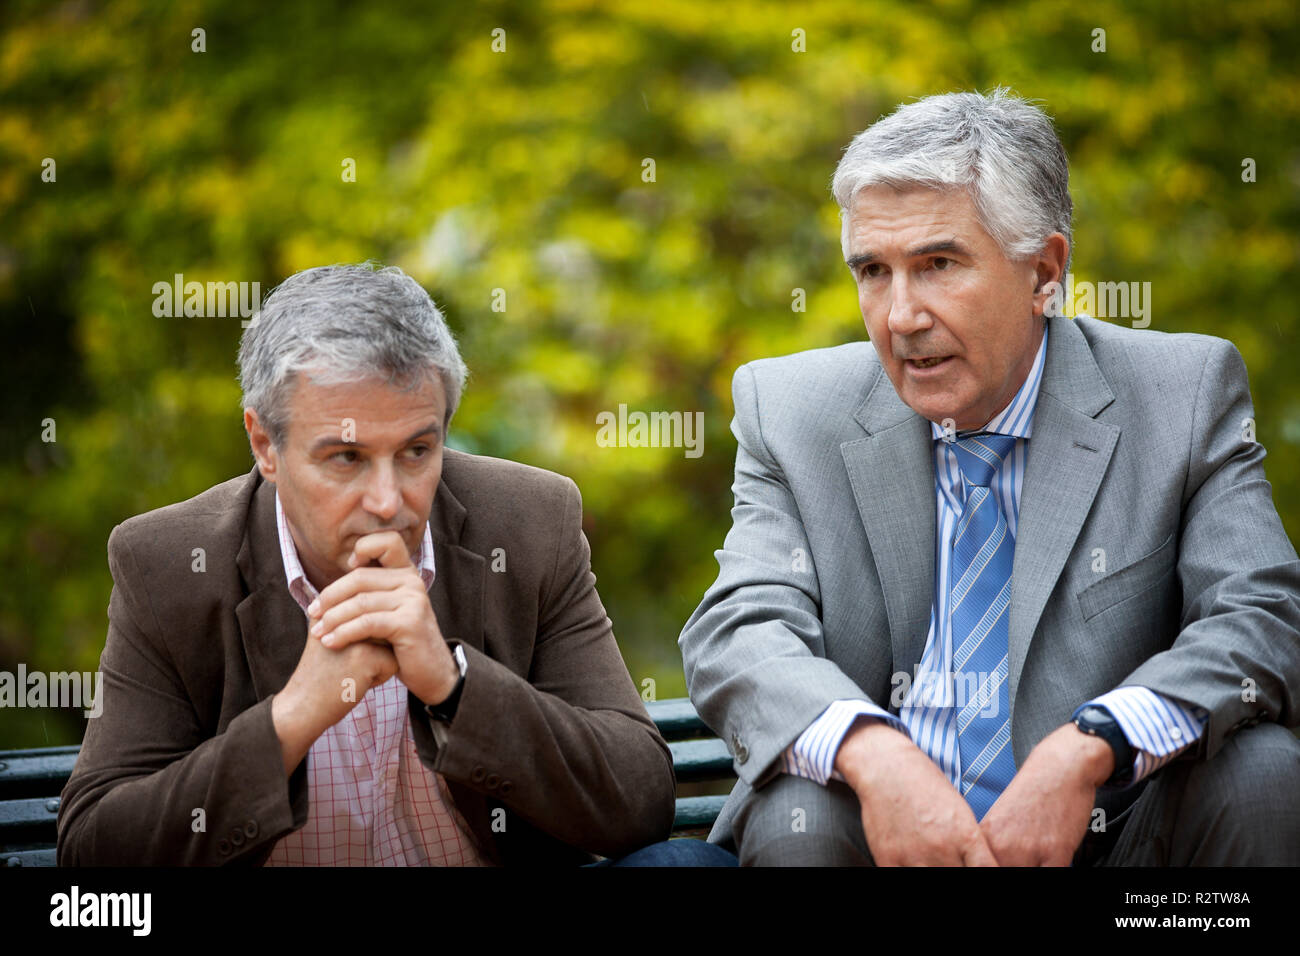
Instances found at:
x=549 y=726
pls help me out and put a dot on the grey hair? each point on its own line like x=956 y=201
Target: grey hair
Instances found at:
x=1000 y=148
x=345 y=323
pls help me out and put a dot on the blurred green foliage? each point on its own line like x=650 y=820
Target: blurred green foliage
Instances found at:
x=522 y=170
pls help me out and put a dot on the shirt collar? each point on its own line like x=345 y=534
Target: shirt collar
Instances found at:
x=302 y=590
x=1018 y=417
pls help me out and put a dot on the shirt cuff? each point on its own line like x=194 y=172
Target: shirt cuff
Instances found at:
x=812 y=755
x=1156 y=727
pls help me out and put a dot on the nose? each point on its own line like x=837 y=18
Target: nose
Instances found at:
x=907 y=312
x=383 y=496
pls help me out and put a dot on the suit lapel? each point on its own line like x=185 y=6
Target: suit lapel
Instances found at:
x=1066 y=459
x=457 y=591
x=271 y=623
x=897 y=512
x=457 y=598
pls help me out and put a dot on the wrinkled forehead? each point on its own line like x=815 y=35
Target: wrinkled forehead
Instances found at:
x=887 y=220
x=379 y=405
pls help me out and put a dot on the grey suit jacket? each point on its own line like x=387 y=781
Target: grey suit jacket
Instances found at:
x=1138 y=453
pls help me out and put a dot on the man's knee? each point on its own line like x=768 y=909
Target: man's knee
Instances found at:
x=792 y=821
x=1243 y=805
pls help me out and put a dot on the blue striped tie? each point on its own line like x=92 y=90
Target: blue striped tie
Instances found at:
x=982 y=551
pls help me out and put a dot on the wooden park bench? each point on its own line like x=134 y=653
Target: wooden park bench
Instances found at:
x=31 y=781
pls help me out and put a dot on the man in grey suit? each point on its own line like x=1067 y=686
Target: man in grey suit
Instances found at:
x=1001 y=587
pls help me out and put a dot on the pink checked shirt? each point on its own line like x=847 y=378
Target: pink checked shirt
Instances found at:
x=372 y=802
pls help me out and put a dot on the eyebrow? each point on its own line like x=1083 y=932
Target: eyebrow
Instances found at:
x=433 y=430
x=925 y=249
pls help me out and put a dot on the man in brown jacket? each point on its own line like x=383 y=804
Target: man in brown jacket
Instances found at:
x=288 y=614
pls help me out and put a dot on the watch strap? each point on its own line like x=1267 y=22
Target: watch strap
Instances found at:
x=1098 y=722
x=446 y=710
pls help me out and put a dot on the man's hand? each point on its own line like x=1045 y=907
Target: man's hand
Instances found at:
x=1042 y=816
x=389 y=604
x=314 y=699
x=911 y=813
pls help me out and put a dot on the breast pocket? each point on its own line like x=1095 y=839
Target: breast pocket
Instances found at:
x=1145 y=578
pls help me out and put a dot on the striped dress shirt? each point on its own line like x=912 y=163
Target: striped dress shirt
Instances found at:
x=371 y=802
x=1157 y=727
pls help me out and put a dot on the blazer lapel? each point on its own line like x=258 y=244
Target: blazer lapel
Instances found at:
x=1067 y=457
x=457 y=598
x=457 y=591
x=892 y=475
x=272 y=625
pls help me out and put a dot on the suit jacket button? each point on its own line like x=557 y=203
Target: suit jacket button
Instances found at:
x=224 y=848
x=477 y=774
x=492 y=781
x=739 y=749
x=237 y=836
x=506 y=786
x=250 y=829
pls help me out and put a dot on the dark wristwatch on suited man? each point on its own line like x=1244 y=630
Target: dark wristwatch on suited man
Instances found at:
x=446 y=710
x=1099 y=723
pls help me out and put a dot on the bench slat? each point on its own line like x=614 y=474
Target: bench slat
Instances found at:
x=701 y=760
x=28 y=858
x=676 y=718
x=35 y=773
x=28 y=822
x=697 y=811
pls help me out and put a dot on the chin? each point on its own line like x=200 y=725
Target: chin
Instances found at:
x=927 y=405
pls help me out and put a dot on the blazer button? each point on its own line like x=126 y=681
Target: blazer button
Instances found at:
x=237 y=836
x=250 y=829
x=740 y=751
x=492 y=781
x=506 y=786
x=224 y=848
x=477 y=774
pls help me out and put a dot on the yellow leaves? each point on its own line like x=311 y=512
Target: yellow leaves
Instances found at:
x=582 y=46
x=1187 y=183
x=564 y=368
x=606 y=233
x=758 y=118
x=305 y=250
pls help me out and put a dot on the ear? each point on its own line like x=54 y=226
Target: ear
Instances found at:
x=1049 y=270
x=259 y=440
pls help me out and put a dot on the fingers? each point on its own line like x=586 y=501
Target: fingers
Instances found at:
x=366 y=625
x=359 y=581
x=386 y=547
x=978 y=853
x=361 y=604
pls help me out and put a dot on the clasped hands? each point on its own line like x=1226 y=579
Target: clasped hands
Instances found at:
x=368 y=625
x=912 y=815
x=387 y=605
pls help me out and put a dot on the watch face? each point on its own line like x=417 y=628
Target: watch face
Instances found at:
x=1091 y=717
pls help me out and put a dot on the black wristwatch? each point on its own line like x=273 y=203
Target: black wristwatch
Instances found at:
x=446 y=710
x=1099 y=723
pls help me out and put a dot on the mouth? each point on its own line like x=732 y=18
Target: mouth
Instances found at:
x=929 y=362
